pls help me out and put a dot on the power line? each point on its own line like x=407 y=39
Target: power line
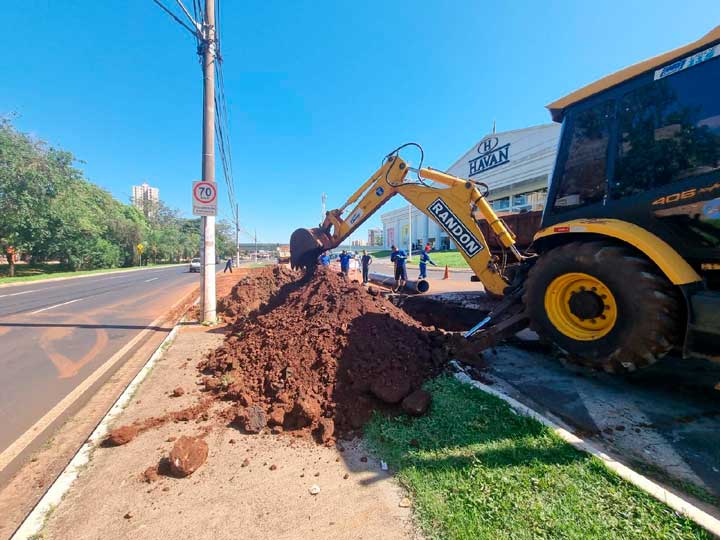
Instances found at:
x=176 y=18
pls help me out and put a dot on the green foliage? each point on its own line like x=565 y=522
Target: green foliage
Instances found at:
x=48 y=211
x=476 y=470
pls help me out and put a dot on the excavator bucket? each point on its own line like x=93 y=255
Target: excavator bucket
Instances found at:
x=306 y=245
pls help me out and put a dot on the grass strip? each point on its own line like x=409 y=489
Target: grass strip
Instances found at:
x=476 y=470
x=47 y=271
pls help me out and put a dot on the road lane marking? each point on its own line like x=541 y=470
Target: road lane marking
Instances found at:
x=22 y=442
x=151 y=279
x=18 y=293
x=56 y=305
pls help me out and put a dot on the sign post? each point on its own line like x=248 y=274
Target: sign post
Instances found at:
x=204 y=198
x=140 y=249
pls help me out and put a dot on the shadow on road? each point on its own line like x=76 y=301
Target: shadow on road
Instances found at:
x=86 y=326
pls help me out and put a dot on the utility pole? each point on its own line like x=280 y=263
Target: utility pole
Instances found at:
x=207 y=254
x=323 y=198
x=256 y=246
x=237 y=235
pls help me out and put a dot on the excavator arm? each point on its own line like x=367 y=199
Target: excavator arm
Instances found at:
x=456 y=205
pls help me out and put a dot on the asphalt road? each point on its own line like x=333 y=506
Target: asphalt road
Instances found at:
x=54 y=335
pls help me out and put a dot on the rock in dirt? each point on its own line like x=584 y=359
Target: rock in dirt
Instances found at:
x=314 y=489
x=187 y=455
x=178 y=392
x=150 y=474
x=325 y=430
x=276 y=416
x=417 y=403
x=253 y=419
x=391 y=388
x=304 y=413
x=122 y=435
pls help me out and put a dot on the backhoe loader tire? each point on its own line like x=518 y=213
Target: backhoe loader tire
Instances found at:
x=604 y=305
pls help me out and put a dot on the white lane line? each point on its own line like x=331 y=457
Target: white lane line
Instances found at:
x=22 y=442
x=18 y=293
x=151 y=279
x=56 y=305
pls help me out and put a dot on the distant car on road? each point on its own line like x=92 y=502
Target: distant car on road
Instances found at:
x=194 y=265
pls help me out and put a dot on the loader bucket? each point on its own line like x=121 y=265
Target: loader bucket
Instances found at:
x=306 y=245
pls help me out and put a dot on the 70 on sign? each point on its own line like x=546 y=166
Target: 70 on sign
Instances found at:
x=204 y=196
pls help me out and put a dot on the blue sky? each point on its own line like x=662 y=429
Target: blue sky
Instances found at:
x=318 y=91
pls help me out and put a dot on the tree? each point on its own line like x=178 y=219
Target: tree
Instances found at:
x=48 y=210
x=29 y=177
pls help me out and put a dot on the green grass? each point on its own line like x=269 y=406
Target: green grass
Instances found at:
x=452 y=258
x=26 y=272
x=478 y=471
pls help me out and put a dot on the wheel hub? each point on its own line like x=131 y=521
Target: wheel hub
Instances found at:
x=585 y=304
x=580 y=306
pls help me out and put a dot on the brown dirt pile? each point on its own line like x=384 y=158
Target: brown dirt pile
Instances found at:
x=254 y=291
x=320 y=355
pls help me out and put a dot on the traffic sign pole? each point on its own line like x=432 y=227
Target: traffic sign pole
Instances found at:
x=207 y=254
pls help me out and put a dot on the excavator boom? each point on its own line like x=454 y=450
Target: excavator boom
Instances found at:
x=454 y=203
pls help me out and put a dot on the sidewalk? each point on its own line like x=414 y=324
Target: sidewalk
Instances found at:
x=225 y=498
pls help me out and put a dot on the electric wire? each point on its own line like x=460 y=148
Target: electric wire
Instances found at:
x=176 y=18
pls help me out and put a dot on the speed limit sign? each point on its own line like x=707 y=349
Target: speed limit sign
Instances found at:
x=204 y=196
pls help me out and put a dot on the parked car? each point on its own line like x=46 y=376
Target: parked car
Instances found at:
x=194 y=265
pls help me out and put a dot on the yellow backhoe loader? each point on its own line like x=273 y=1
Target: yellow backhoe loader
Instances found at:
x=626 y=265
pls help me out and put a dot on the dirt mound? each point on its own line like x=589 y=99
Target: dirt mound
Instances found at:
x=321 y=355
x=255 y=290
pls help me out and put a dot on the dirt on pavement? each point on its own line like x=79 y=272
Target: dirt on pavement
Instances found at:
x=250 y=487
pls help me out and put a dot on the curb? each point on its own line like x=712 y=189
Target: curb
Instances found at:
x=677 y=503
x=95 y=274
x=35 y=520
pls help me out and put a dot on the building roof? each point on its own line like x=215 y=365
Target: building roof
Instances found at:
x=557 y=107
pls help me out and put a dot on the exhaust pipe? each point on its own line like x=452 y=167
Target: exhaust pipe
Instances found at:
x=411 y=286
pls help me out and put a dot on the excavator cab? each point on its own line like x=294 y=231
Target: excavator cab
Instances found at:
x=629 y=264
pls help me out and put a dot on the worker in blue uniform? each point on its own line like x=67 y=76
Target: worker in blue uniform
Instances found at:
x=424 y=260
x=398 y=257
x=345 y=262
x=325 y=259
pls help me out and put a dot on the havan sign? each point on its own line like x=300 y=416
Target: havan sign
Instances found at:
x=491 y=156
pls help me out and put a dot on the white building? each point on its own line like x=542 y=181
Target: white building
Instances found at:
x=516 y=165
x=146 y=198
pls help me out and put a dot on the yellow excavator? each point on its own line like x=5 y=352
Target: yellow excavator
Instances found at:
x=626 y=265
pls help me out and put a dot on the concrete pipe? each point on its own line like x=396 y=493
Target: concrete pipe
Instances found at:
x=411 y=286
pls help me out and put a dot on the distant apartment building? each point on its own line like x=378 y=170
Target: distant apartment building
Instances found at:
x=358 y=243
x=375 y=237
x=146 y=198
